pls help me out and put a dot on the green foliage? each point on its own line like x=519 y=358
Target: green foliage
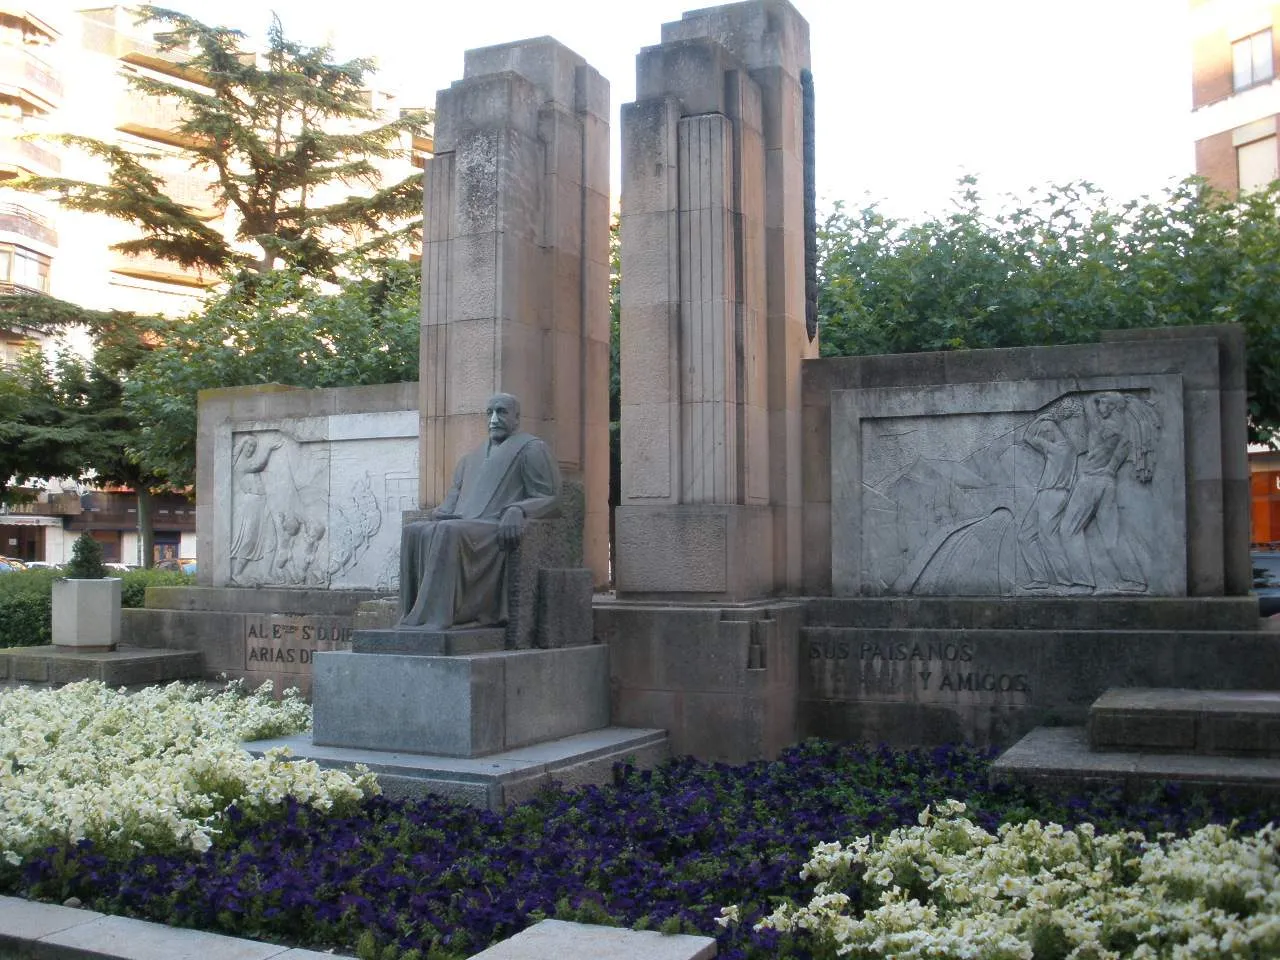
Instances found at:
x=1057 y=268
x=25 y=608
x=86 y=559
x=277 y=132
x=134 y=583
x=281 y=327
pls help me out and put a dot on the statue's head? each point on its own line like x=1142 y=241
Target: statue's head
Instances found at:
x=503 y=413
x=1107 y=403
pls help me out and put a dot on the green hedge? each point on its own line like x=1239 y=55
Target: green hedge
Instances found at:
x=25 y=608
x=133 y=590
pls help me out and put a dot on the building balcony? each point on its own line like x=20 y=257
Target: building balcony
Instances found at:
x=24 y=158
x=153 y=268
x=29 y=79
x=155 y=118
x=33 y=26
x=24 y=222
x=194 y=191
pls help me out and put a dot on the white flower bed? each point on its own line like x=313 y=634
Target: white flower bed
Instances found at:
x=949 y=889
x=153 y=769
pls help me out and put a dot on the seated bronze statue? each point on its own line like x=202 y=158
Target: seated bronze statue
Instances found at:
x=453 y=564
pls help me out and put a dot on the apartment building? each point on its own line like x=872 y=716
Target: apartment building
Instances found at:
x=68 y=74
x=1235 y=91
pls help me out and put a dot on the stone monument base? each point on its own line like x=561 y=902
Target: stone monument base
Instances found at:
x=424 y=642
x=467 y=705
x=495 y=781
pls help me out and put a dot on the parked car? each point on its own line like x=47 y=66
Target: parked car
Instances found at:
x=42 y=565
x=1266 y=581
x=10 y=565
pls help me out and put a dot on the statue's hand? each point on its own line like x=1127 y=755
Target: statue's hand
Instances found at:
x=511 y=528
x=438 y=514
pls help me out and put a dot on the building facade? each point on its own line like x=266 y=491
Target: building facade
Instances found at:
x=68 y=74
x=1235 y=92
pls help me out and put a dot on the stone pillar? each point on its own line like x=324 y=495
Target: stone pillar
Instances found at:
x=713 y=308
x=515 y=267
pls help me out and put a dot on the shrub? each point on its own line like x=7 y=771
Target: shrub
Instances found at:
x=25 y=612
x=133 y=589
x=86 y=559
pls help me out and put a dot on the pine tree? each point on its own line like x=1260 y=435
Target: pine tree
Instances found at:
x=281 y=132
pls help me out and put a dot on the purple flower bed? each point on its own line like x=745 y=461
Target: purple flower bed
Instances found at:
x=661 y=850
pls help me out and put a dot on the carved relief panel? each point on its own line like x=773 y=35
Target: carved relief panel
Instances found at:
x=316 y=502
x=1015 y=488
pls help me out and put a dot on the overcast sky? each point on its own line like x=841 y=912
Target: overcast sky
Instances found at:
x=910 y=94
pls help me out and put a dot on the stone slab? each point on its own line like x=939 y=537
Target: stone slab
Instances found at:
x=267 y=600
x=45 y=931
x=559 y=938
x=26 y=920
x=1061 y=613
x=139 y=940
x=1207 y=722
x=428 y=643
x=494 y=781
x=465 y=706
x=121 y=667
x=1061 y=756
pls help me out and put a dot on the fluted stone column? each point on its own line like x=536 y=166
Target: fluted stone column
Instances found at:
x=515 y=267
x=713 y=308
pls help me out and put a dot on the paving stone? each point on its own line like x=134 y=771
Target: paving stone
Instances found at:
x=138 y=940
x=558 y=938
x=27 y=920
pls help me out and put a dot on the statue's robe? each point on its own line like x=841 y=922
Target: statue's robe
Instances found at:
x=453 y=571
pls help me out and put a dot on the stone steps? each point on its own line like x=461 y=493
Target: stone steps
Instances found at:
x=1230 y=723
x=1060 y=757
x=122 y=667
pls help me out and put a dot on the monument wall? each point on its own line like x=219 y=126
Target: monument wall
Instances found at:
x=933 y=474
x=305 y=488
x=999 y=536
x=300 y=494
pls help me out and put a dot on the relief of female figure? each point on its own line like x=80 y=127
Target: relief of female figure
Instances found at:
x=1124 y=430
x=254 y=530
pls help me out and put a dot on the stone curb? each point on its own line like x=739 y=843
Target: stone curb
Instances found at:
x=45 y=931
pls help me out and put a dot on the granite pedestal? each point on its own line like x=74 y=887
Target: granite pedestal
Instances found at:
x=459 y=706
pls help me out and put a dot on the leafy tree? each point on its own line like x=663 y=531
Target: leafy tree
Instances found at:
x=1057 y=268
x=68 y=418
x=281 y=134
x=36 y=437
x=284 y=327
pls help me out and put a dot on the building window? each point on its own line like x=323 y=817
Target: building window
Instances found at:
x=1256 y=164
x=20 y=267
x=1251 y=60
